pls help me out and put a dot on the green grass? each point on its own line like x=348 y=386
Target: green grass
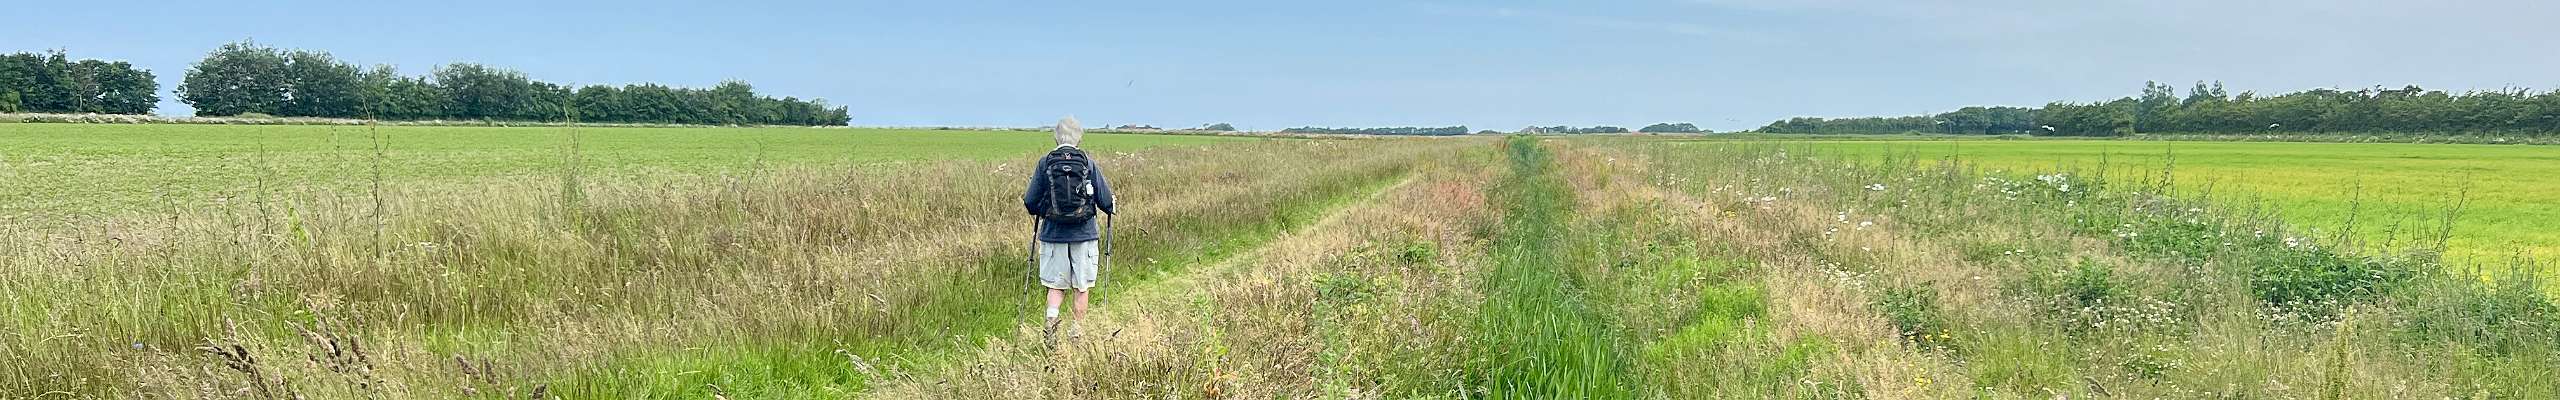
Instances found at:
x=750 y=262
x=811 y=367
x=763 y=278
x=1544 y=337
x=97 y=169
x=2510 y=188
x=2108 y=289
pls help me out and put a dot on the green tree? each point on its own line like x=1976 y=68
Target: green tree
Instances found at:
x=481 y=92
x=241 y=77
x=2114 y=118
x=544 y=101
x=2151 y=112
x=53 y=82
x=317 y=85
x=2210 y=108
x=80 y=83
x=1401 y=130
x=17 y=72
x=123 y=89
x=600 y=103
x=1670 y=127
x=732 y=103
x=416 y=98
x=50 y=85
x=246 y=77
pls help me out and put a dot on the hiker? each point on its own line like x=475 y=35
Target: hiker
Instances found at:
x=1067 y=191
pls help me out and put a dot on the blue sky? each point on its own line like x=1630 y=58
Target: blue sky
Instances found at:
x=1724 y=64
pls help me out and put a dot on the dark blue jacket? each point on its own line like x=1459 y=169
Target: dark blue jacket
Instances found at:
x=1053 y=232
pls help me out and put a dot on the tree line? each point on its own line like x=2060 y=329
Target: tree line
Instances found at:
x=246 y=78
x=1966 y=121
x=1671 y=127
x=1667 y=127
x=241 y=78
x=1401 y=130
x=51 y=82
x=1568 y=130
x=2208 y=108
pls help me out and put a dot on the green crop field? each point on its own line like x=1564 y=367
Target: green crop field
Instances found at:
x=91 y=169
x=2510 y=190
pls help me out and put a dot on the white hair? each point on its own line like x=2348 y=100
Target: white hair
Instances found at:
x=1068 y=131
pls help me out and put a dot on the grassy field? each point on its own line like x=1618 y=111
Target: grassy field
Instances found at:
x=2506 y=192
x=769 y=277
x=1473 y=267
x=96 y=169
x=1936 y=281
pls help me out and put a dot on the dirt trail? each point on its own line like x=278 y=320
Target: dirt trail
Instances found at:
x=1156 y=331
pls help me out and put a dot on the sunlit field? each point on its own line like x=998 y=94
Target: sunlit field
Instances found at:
x=1946 y=280
x=53 y=170
x=892 y=264
x=2384 y=194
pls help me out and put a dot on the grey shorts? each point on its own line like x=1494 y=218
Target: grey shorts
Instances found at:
x=1070 y=265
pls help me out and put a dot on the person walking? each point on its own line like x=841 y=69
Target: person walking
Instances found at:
x=1067 y=193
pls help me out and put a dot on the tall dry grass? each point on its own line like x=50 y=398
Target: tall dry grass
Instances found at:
x=1370 y=300
x=771 y=282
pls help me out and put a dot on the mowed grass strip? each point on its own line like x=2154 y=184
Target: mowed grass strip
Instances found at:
x=2505 y=191
x=1542 y=338
x=1691 y=309
x=72 y=170
x=975 y=304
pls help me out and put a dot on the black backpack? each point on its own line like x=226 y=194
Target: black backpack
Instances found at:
x=1069 y=199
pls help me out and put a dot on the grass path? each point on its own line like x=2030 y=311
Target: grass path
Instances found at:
x=1818 y=282
x=1171 y=237
x=1546 y=340
x=1145 y=320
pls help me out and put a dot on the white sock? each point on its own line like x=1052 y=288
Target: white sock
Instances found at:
x=1053 y=313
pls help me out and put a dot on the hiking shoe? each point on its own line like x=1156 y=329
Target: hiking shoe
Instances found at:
x=1076 y=331
x=1049 y=333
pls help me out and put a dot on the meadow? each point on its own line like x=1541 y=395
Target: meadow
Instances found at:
x=2379 y=193
x=81 y=170
x=1467 y=267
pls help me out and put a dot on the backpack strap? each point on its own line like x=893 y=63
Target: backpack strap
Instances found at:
x=1064 y=150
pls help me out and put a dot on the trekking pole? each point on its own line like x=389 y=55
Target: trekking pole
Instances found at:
x=1107 y=224
x=1032 y=274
